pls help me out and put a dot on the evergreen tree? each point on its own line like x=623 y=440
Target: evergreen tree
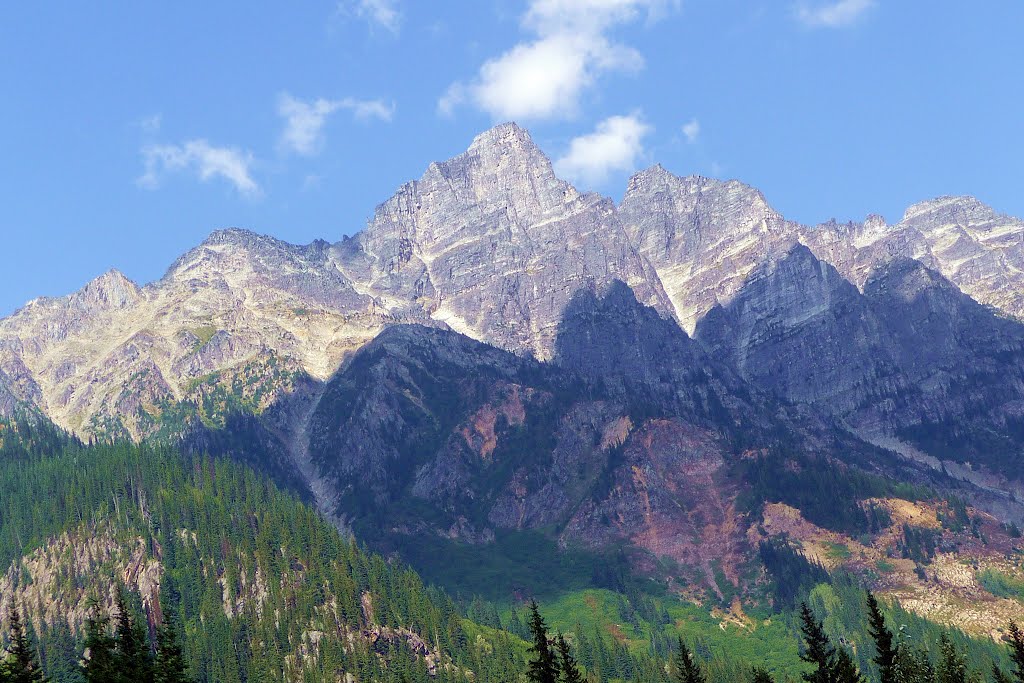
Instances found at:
x=1017 y=651
x=844 y=670
x=913 y=665
x=543 y=668
x=170 y=665
x=818 y=651
x=953 y=666
x=687 y=670
x=21 y=666
x=98 y=659
x=885 y=652
x=131 y=652
x=567 y=663
x=1000 y=676
x=759 y=675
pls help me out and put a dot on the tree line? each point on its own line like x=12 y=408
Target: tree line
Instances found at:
x=896 y=659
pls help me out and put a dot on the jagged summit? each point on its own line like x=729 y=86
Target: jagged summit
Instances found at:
x=507 y=134
x=948 y=205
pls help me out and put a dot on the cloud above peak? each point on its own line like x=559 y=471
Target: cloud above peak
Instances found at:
x=614 y=146
x=382 y=13
x=834 y=14
x=305 y=121
x=206 y=160
x=545 y=76
x=691 y=129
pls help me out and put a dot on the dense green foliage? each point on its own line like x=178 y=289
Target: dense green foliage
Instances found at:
x=792 y=573
x=826 y=493
x=1001 y=585
x=220 y=530
x=217 y=527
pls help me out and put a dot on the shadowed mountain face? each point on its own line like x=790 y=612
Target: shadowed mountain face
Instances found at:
x=427 y=432
x=911 y=356
x=633 y=435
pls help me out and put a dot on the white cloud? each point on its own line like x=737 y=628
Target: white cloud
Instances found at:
x=545 y=77
x=304 y=121
x=834 y=14
x=615 y=145
x=383 y=13
x=206 y=160
x=691 y=129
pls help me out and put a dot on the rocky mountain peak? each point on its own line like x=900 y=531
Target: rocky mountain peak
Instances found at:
x=947 y=209
x=494 y=244
x=112 y=289
x=703 y=236
x=692 y=192
x=108 y=292
x=504 y=136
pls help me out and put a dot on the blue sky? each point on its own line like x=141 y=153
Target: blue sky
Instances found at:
x=131 y=130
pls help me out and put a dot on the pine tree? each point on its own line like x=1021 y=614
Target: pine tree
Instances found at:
x=885 y=652
x=844 y=670
x=759 y=675
x=567 y=663
x=1017 y=652
x=170 y=665
x=21 y=666
x=687 y=670
x=131 y=652
x=98 y=659
x=913 y=665
x=818 y=651
x=543 y=668
x=1000 y=676
x=953 y=665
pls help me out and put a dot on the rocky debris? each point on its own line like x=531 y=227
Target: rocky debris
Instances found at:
x=946 y=589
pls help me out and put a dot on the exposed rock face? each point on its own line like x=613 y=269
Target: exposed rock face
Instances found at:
x=800 y=330
x=494 y=245
x=968 y=243
x=632 y=435
x=112 y=357
x=703 y=236
x=491 y=441
x=911 y=356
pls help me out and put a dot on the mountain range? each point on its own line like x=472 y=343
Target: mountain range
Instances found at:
x=677 y=376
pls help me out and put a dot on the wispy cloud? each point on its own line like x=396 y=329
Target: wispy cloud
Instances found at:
x=304 y=121
x=615 y=145
x=834 y=14
x=382 y=13
x=150 y=125
x=202 y=158
x=691 y=129
x=544 y=77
